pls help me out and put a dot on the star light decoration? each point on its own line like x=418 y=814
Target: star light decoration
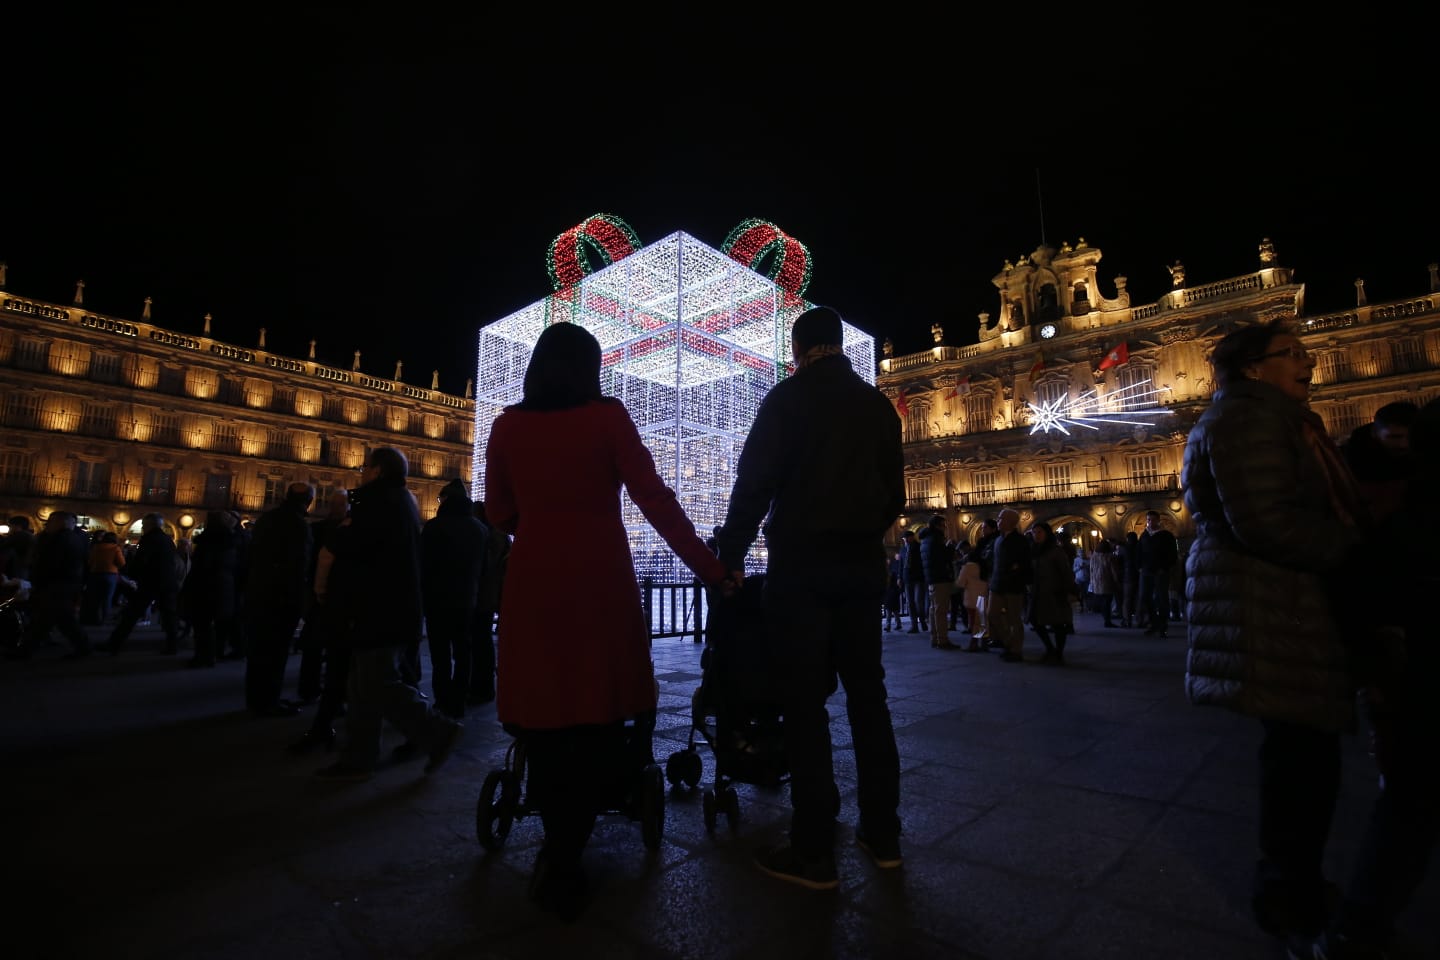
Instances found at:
x=1090 y=408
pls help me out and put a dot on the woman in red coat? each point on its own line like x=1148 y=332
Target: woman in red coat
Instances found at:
x=573 y=660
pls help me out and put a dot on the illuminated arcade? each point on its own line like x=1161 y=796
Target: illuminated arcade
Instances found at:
x=693 y=339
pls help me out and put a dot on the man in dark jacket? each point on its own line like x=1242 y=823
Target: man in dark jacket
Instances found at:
x=452 y=565
x=316 y=649
x=938 y=559
x=916 y=597
x=57 y=575
x=1011 y=573
x=157 y=582
x=276 y=588
x=823 y=461
x=375 y=584
x=985 y=556
x=1378 y=453
x=1159 y=553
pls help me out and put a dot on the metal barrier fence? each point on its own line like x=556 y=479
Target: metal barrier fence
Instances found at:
x=674 y=609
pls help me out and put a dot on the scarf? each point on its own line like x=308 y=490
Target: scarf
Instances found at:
x=817 y=352
x=1344 y=489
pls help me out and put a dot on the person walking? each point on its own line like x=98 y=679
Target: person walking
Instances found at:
x=208 y=593
x=1158 y=552
x=1278 y=519
x=823 y=462
x=156 y=573
x=276 y=588
x=1051 y=608
x=375 y=586
x=1012 y=573
x=317 y=652
x=57 y=577
x=452 y=568
x=1103 y=579
x=555 y=464
x=104 y=563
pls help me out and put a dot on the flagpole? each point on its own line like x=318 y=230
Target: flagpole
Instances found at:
x=1040 y=205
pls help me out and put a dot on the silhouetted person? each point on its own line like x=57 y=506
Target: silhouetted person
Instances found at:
x=157 y=581
x=276 y=588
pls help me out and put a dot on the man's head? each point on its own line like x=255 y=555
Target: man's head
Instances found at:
x=456 y=489
x=816 y=327
x=151 y=522
x=1152 y=521
x=300 y=495
x=990 y=525
x=1008 y=520
x=1391 y=426
x=386 y=464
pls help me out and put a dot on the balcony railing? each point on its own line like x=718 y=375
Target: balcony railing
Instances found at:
x=1112 y=486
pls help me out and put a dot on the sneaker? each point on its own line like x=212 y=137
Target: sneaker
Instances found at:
x=344 y=773
x=440 y=752
x=885 y=851
x=784 y=863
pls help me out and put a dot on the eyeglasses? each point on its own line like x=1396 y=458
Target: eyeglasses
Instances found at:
x=1294 y=353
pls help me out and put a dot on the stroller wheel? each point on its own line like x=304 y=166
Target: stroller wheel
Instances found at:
x=730 y=803
x=711 y=808
x=495 y=811
x=652 y=806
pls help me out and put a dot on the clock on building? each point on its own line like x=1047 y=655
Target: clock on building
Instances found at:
x=1047 y=330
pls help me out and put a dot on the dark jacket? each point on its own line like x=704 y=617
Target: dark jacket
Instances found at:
x=823 y=460
x=1383 y=476
x=1014 y=568
x=452 y=557
x=209 y=590
x=376 y=576
x=153 y=566
x=937 y=556
x=1054 y=587
x=1263 y=637
x=279 y=562
x=59 y=559
x=914 y=562
x=1158 y=551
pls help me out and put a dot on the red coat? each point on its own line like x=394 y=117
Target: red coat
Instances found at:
x=573 y=645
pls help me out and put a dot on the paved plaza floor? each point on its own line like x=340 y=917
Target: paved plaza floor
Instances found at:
x=1078 y=812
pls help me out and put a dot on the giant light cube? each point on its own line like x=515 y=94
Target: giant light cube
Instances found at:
x=691 y=342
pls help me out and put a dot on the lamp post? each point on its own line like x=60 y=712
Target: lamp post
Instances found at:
x=186 y=522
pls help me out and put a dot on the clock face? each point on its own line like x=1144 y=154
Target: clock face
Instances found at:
x=1047 y=331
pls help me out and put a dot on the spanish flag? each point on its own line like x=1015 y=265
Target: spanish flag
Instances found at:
x=1116 y=357
x=902 y=406
x=1038 y=366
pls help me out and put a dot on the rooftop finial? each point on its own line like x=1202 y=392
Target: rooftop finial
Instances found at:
x=399 y=368
x=207 y=324
x=145 y=310
x=356 y=365
x=3 y=266
x=262 y=338
x=312 y=349
x=434 y=379
x=79 y=292
x=469 y=387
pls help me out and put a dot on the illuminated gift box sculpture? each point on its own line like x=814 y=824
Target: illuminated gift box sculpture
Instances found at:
x=691 y=340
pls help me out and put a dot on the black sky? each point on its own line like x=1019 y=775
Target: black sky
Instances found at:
x=390 y=183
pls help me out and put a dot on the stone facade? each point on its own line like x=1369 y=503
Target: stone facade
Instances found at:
x=971 y=441
x=112 y=419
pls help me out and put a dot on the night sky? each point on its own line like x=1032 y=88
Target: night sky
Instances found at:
x=391 y=185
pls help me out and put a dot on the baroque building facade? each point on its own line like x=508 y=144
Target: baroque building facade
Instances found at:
x=112 y=419
x=986 y=425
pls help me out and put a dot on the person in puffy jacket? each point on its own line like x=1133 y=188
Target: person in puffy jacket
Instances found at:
x=1277 y=514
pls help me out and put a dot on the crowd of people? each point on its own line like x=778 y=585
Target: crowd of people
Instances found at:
x=943 y=584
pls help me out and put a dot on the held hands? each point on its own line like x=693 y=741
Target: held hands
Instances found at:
x=730 y=586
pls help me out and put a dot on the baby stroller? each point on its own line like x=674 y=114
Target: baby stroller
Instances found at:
x=736 y=709
x=504 y=797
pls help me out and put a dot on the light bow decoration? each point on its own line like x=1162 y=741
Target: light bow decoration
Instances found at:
x=1090 y=408
x=755 y=240
x=609 y=237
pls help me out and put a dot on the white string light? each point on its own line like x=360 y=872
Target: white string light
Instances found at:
x=691 y=342
x=1084 y=410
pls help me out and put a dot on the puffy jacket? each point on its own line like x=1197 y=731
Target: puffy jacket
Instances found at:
x=1262 y=635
